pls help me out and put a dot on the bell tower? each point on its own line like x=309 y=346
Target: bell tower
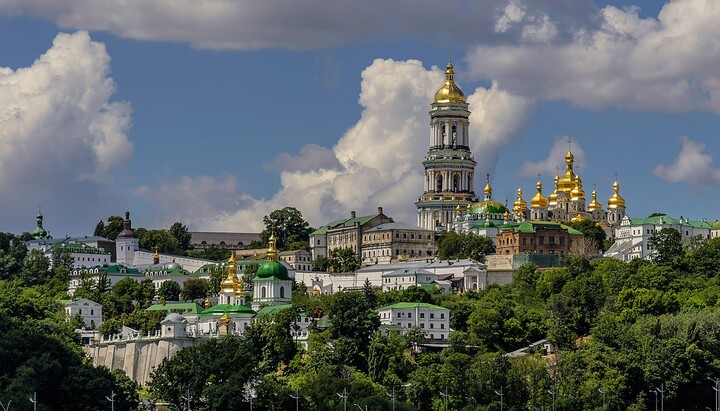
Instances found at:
x=449 y=165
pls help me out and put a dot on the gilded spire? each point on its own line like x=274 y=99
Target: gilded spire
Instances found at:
x=594 y=204
x=616 y=201
x=552 y=198
x=229 y=284
x=488 y=188
x=157 y=254
x=567 y=182
x=520 y=204
x=539 y=201
x=272 y=254
x=577 y=192
x=458 y=209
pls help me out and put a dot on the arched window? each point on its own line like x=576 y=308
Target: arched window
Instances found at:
x=456 y=182
x=282 y=292
x=262 y=292
x=439 y=183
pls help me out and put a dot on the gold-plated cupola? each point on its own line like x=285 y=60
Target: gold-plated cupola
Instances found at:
x=449 y=92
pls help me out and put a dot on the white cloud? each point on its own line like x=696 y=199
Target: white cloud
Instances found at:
x=691 y=166
x=554 y=163
x=376 y=163
x=61 y=138
x=245 y=24
x=669 y=63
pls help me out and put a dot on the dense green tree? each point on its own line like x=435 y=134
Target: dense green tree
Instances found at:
x=270 y=338
x=288 y=226
x=36 y=268
x=163 y=239
x=169 y=291
x=182 y=235
x=113 y=227
x=343 y=260
x=99 y=229
x=212 y=253
x=214 y=372
x=354 y=319
x=667 y=244
x=452 y=245
x=145 y=293
x=195 y=288
x=593 y=234
x=320 y=264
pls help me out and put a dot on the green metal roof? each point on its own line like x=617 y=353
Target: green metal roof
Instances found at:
x=175 y=306
x=407 y=306
x=271 y=309
x=528 y=227
x=488 y=207
x=228 y=309
x=78 y=248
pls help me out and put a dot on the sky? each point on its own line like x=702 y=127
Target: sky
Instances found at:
x=216 y=113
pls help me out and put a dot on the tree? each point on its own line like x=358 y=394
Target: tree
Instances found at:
x=452 y=245
x=182 y=235
x=113 y=227
x=194 y=289
x=99 y=229
x=667 y=244
x=343 y=260
x=288 y=226
x=321 y=263
x=353 y=319
x=169 y=291
x=594 y=235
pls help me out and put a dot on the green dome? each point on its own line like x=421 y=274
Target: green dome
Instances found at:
x=488 y=224
x=488 y=207
x=270 y=270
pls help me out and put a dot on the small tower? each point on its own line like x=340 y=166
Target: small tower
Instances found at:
x=577 y=197
x=520 y=210
x=271 y=285
x=616 y=206
x=39 y=232
x=126 y=243
x=156 y=256
x=538 y=204
x=595 y=208
x=231 y=289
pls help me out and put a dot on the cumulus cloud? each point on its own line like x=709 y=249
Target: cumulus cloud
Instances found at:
x=244 y=24
x=667 y=63
x=555 y=160
x=312 y=157
x=692 y=166
x=377 y=162
x=61 y=138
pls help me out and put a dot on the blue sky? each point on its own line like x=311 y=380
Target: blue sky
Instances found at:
x=216 y=113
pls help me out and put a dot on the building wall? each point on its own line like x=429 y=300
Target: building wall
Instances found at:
x=384 y=246
x=543 y=241
x=435 y=322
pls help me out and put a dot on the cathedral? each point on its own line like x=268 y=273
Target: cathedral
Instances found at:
x=449 y=203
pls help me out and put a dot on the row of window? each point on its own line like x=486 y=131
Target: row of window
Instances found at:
x=409 y=315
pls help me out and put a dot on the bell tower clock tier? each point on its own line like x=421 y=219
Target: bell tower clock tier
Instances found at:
x=449 y=164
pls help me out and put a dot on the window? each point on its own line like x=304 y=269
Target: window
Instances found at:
x=399 y=315
x=541 y=240
x=442 y=326
x=432 y=325
x=262 y=292
x=442 y=315
x=282 y=292
x=409 y=325
x=432 y=315
x=409 y=315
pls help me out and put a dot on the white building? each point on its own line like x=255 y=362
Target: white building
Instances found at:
x=409 y=277
x=633 y=235
x=433 y=319
x=90 y=311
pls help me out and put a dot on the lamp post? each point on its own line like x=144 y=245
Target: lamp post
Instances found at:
x=445 y=395
x=296 y=397
x=344 y=396
x=361 y=408
x=661 y=390
x=111 y=398
x=186 y=397
x=34 y=400
x=552 y=392
x=716 y=388
x=603 y=395
x=5 y=407
x=500 y=393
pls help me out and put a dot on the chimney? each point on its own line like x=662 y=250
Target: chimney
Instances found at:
x=379 y=210
x=352 y=214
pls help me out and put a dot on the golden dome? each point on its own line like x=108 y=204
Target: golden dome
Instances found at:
x=567 y=182
x=616 y=201
x=519 y=205
x=552 y=198
x=506 y=215
x=469 y=207
x=207 y=304
x=272 y=254
x=449 y=92
x=594 y=205
x=458 y=209
x=577 y=192
x=539 y=201
x=579 y=217
x=488 y=189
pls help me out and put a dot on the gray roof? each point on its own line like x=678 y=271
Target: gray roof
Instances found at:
x=214 y=237
x=397 y=226
x=174 y=318
x=84 y=239
x=408 y=271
